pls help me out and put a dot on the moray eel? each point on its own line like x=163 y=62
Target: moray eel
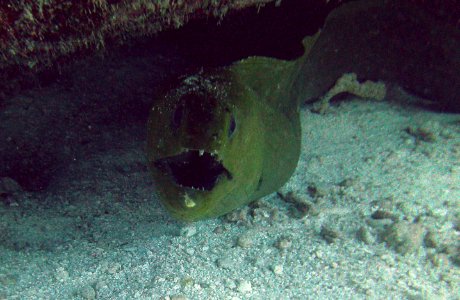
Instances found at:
x=223 y=138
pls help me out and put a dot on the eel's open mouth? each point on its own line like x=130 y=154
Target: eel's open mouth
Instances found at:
x=196 y=169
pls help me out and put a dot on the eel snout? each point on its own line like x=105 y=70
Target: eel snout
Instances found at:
x=195 y=169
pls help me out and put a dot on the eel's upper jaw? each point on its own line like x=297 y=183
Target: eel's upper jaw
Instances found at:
x=194 y=169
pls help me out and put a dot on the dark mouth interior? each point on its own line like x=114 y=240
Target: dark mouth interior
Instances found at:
x=193 y=169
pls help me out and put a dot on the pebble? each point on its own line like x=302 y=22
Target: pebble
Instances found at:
x=178 y=297
x=88 y=292
x=8 y=185
x=114 y=268
x=348 y=182
x=328 y=234
x=382 y=214
x=224 y=263
x=370 y=293
x=245 y=240
x=278 y=269
x=404 y=237
x=188 y=231
x=301 y=206
x=365 y=236
x=425 y=133
x=230 y=284
x=219 y=230
x=440 y=260
x=239 y=215
x=101 y=285
x=284 y=243
x=62 y=274
x=317 y=191
x=431 y=240
x=244 y=286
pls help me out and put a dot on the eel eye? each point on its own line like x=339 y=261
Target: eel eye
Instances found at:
x=232 y=127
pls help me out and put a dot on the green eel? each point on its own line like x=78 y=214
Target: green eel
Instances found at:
x=223 y=138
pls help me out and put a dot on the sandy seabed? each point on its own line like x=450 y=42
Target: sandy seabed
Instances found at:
x=374 y=213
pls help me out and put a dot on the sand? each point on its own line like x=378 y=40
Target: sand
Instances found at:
x=373 y=211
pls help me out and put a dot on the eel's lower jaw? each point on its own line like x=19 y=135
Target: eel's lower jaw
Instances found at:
x=194 y=169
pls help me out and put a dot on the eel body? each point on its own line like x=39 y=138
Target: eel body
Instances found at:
x=223 y=138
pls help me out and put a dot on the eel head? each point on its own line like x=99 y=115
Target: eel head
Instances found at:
x=203 y=137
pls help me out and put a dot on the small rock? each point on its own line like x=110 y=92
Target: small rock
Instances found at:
x=440 y=260
x=224 y=263
x=178 y=297
x=8 y=189
x=365 y=236
x=245 y=240
x=8 y=185
x=425 y=133
x=455 y=257
x=370 y=293
x=347 y=182
x=261 y=214
x=188 y=231
x=114 y=268
x=277 y=216
x=404 y=237
x=407 y=209
x=431 y=240
x=187 y=281
x=318 y=254
x=100 y=285
x=316 y=191
x=238 y=216
x=447 y=133
x=278 y=269
x=88 y=292
x=284 y=243
x=219 y=230
x=301 y=206
x=380 y=214
x=7 y=280
x=229 y=284
x=328 y=234
x=379 y=224
x=62 y=274
x=190 y=251
x=244 y=287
